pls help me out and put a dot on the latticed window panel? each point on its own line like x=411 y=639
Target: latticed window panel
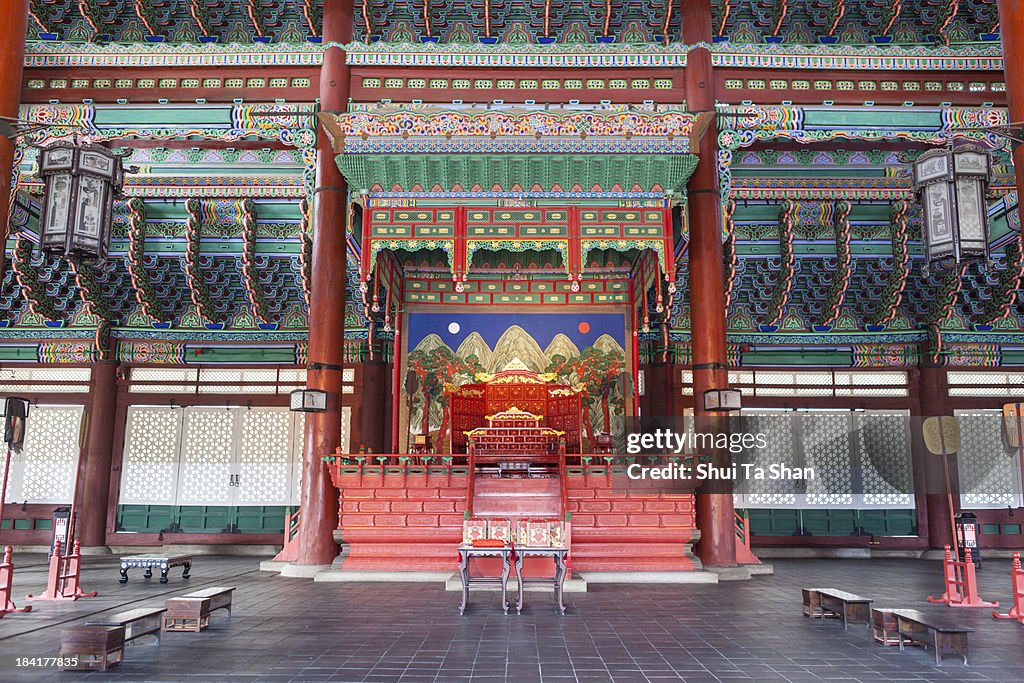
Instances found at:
x=777 y=428
x=51 y=453
x=989 y=472
x=266 y=456
x=885 y=457
x=52 y=380
x=825 y=444
x=859 y=459
x=207 y=455
x=149 y=473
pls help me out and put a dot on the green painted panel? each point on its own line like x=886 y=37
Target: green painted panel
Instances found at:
x=1012 y=357
x=835 y=357
x=204 y=518
x=825 y=522
x=809 y=172
x=145 y=518
x=240 y=354
x=543 y=231
x=18 y=353
x=391 y=230
x=774 y=522
x=873 y=119
x=163 y=116
x=889 y=522
x=267 y=519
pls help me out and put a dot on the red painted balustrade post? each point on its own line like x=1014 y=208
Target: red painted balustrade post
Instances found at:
x=1017 y=588
x=6 y=578
x=971 y=596
x=949 y=576
x=71 y=587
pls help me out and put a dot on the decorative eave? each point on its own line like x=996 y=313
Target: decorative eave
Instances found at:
x=525 y=150
x=859 y=57
x=530 y=172
x=50 y=54
x=515 y=130
x=778 y=56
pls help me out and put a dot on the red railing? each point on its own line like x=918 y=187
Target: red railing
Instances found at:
x=961 y=583
x=472 y=479
x=744 y=555
x=1017 y=585
x=290 y=551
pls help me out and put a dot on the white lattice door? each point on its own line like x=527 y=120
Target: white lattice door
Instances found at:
x=149 y=473
x=45 y=470
x=208 y=467
x=265 y=457
x=236 y=457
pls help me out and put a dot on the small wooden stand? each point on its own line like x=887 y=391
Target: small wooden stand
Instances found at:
x=885 y=628
x=187 y=614
x=95 y=647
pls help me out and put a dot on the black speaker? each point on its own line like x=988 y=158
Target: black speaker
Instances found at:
x=15 y=413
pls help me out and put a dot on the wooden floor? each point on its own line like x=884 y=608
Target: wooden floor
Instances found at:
x=295 y=630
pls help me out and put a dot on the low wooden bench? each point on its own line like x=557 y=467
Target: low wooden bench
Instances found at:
x=192 y=612
x=936 y=632
x=92 y=647
x=220 y=597
x=850 y=607
x=143 y=621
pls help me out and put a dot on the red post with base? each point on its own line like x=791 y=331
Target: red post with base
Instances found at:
x=961 y=583
x=6 y=576
x=62 y=581
x=1017 y=585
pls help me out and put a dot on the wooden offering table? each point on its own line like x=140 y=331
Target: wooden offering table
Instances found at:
x=558 y=554
x=162 y=562
x=467 y=552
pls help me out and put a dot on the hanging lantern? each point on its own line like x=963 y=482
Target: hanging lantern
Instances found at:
x=951 y=186
x=308 y=401
x=81 y=181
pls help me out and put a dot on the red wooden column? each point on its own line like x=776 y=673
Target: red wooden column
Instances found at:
x=12 y=61
x=715 y=514
x=933 y=401
x=94 y=471
x=1011 y=30
x=326 y=305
